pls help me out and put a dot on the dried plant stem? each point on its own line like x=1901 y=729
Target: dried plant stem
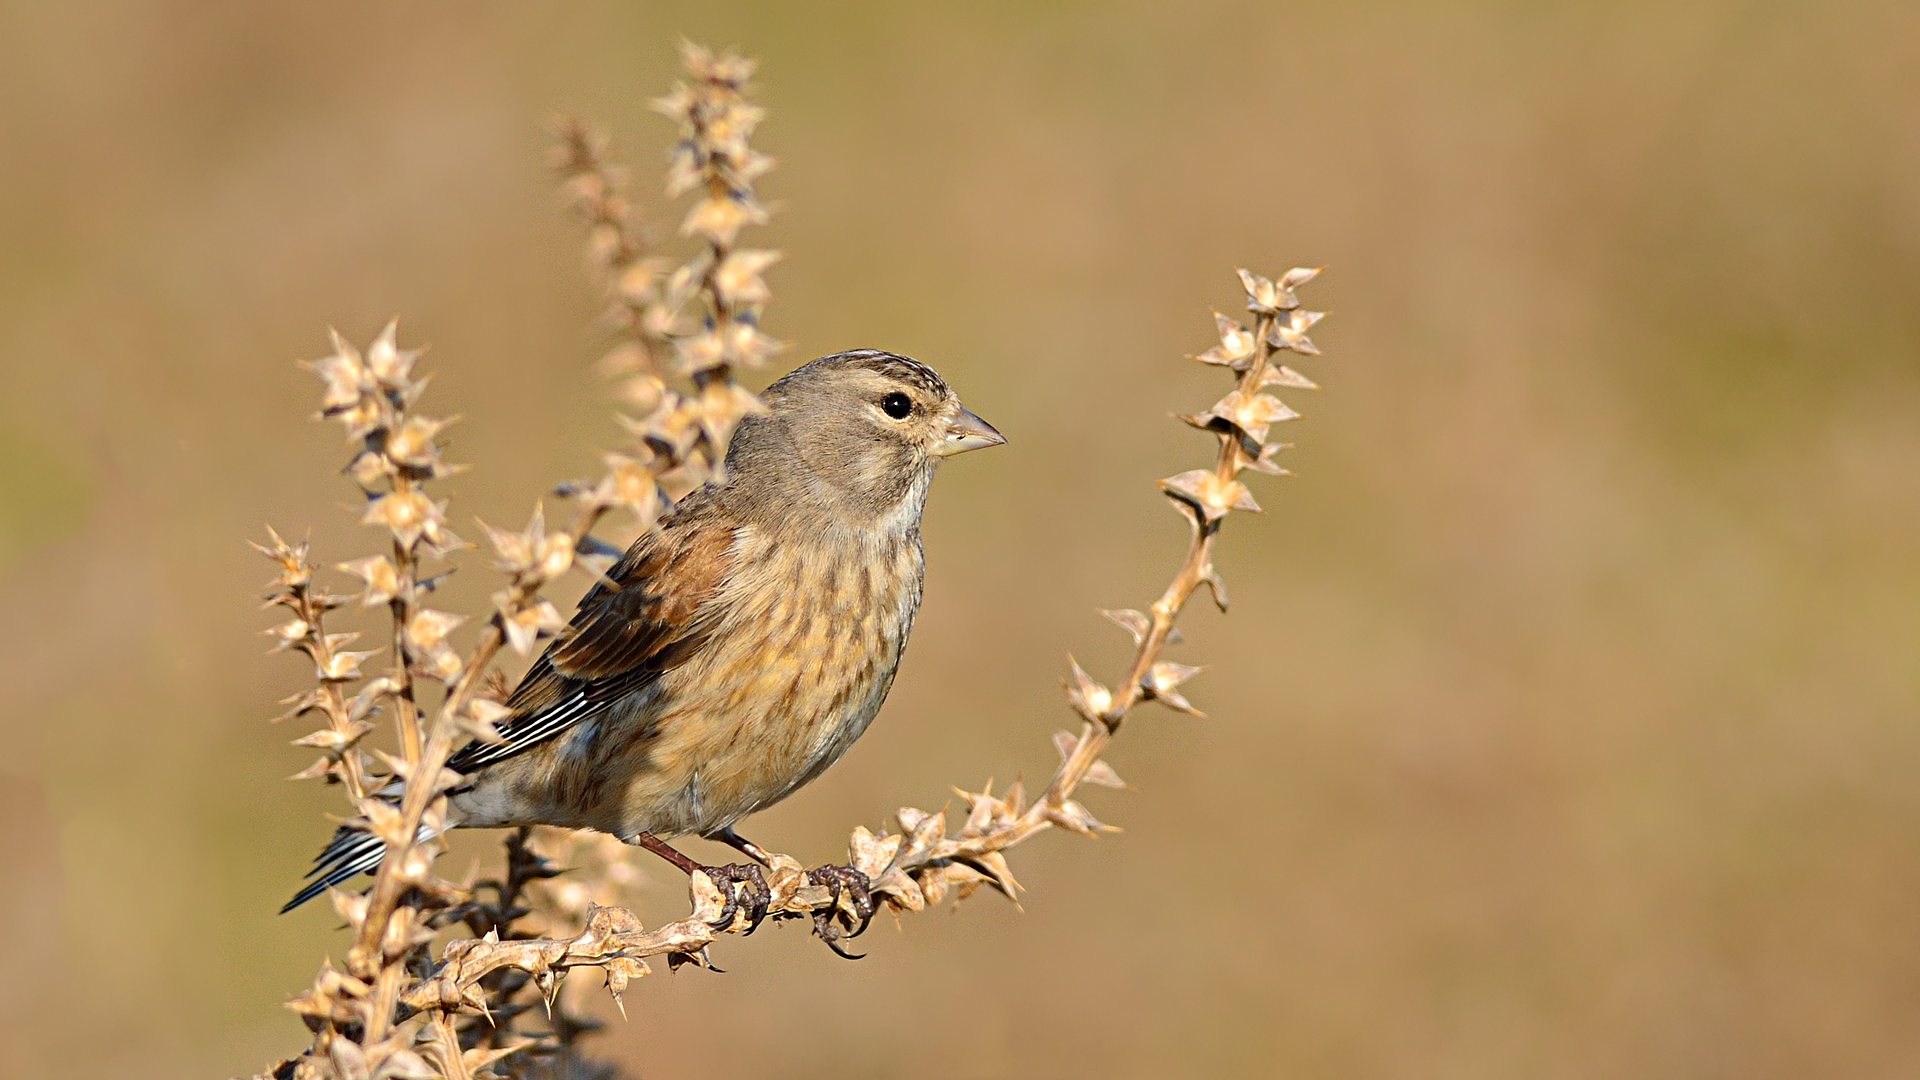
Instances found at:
x=393 y=1011
x=333 y=703
x=406 y=709
x=445 y=736
x=1197 y=568
x=307 y=633
x=912 y=869
x=698 y=322
x=616 y=247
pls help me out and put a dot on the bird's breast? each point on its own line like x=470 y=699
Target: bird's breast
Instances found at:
x=811 y=633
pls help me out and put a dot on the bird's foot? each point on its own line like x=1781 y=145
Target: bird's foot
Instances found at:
x=751 y=895
x=724 y=878
x=856 y=886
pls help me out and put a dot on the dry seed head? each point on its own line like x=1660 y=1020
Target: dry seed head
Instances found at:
x=300 y=704
x=1206 y=492
x=1247 y=416
x=722 y=407
x=345 y=375
x=719 y=218
x=605 y=244
x=913 y=820
x=998 y=874
x=481 y=718
x=390 y=365
x=1291 y=332
x=684 y=171
x=532 y=550
x=415 y=445
x=382 y=578
x=672 y=428
x=871 y=854
x=428 y=629
x=1073 y=817
x=406 y=514
x=683 y=283
x=630 y=483
x=1236 y=348
x=640 y=282
x=899 y=890
x=1161 y=684
x=373 y=472
x=700 y=353
x=980 y=807
x=1269 y=297
x=341 y=666
x=295 y=571
x=1089 y=698
x=525 y=624
x=327 y=766
x=1065 y=742
x=727 y=68
x=738 y=279
x=288 y=635
x=746 y=346
x=366 y=394
x=335 y=741
x=427 y=647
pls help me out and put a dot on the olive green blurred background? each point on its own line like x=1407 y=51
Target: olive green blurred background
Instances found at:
x=1565 y=723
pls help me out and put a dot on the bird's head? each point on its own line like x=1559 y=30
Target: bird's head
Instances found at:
x=867 y=429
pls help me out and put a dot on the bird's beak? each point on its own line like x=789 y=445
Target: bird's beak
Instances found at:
x=968 y=432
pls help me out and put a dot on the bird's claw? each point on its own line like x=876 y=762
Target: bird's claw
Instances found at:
x=758 y=895
x=857 y=887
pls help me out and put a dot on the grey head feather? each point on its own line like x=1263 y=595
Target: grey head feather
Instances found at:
x=825 y=448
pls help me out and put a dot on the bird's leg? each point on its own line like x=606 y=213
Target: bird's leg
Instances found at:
x=856 y=884
x=725 y=877
x=743 y=845
x=666 y=851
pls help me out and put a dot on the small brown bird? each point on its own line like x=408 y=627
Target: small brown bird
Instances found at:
x=742 y=645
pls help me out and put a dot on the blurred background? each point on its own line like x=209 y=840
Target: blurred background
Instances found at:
x=1565 y=723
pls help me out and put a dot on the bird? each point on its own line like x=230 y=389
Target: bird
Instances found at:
x=739 y=647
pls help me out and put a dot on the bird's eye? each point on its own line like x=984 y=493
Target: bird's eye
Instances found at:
x=896 y=405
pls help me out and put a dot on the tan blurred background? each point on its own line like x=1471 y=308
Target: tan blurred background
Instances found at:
x=1566 y=721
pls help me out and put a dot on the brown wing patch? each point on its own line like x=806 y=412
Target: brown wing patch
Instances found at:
x=656 y=611
x=652 y=615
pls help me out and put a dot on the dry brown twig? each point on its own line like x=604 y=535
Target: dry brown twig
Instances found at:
x=686 y=328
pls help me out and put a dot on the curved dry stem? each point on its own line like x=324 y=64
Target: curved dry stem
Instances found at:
x=918 y=866
x=394 y=1011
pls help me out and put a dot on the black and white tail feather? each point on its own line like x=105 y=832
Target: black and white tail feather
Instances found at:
x=351 y=852
x=354 y=851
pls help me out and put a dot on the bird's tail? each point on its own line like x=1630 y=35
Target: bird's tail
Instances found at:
x=352 y=851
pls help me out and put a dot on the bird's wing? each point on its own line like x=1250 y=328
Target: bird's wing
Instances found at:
x=654 y=612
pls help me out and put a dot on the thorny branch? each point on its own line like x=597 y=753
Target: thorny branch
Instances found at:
x=685 y=330
x=920 y=865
